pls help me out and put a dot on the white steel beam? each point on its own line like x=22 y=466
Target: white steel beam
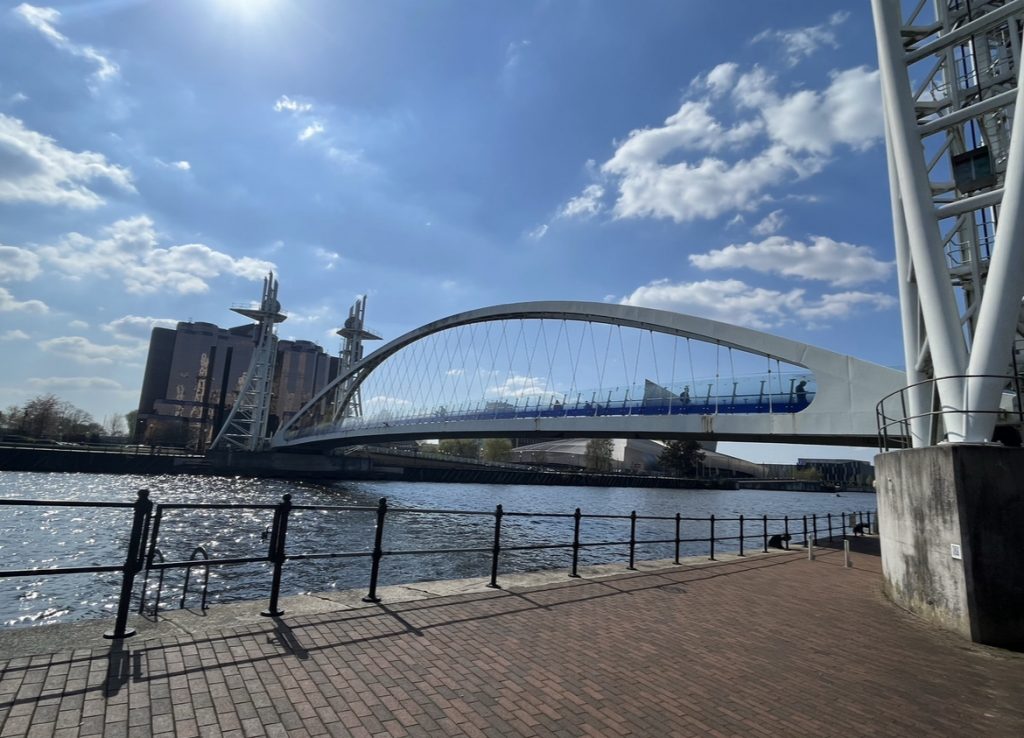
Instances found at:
x=1001 y=303
x=937 y=301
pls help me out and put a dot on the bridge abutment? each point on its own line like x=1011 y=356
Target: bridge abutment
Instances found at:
x=951 y=522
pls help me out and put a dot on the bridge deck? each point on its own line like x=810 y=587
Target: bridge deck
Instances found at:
x=762 y=646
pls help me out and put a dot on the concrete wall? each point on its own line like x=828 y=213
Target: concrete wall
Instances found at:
x=932 y=498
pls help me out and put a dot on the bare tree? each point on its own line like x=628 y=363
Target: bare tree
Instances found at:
x=114 y=425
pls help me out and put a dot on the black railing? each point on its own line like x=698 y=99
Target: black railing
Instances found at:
x=145 y=524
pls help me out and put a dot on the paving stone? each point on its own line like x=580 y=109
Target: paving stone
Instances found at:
x=755 y=647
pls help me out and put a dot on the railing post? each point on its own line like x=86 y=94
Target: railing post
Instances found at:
x=814 y=521
x=843 y=527
x=575 y=542
x=830 y=527
x=764 y=531
x=632 y=539
x=132 y=564
x=711 y=540
x=154 y=535
x=870 y=527
x=496 y=550
x=276 y=554
x=785 y=537
x=378 y=550
x=741 y=536
x=805 y=530
x=678 y=518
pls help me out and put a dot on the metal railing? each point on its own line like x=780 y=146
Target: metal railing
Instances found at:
x=735 y=532
x=895 y=419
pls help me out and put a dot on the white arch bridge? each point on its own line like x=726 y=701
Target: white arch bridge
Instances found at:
x=579 y=369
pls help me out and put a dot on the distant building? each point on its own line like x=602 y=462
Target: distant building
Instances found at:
x=635 y=454
x=195 y=372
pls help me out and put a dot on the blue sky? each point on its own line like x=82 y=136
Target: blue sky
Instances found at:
x=156 y=159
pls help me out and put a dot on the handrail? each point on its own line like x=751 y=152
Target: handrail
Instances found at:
x=146 y=555
x=888 y=440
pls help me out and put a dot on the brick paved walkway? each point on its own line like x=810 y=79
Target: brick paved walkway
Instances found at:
x=757 y=647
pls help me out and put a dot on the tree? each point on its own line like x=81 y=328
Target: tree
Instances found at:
x=467 y=448
x=114 y=425
x=681 y=458
x=41 y=416
x=598 y=454
x=497 y=449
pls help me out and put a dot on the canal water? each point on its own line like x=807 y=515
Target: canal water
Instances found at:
x=41 y=537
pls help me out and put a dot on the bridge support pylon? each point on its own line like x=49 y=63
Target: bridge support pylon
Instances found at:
x=950 y=507
x=950 y=519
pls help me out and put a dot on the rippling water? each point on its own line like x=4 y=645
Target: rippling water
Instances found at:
x=39 y=537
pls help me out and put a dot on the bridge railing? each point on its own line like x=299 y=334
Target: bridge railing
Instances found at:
x=792 y=393
x=629 y=534
x=897 y=422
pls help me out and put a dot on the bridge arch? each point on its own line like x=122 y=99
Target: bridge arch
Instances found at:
x=842 y=411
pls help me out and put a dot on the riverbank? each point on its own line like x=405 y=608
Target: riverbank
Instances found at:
x=317 y=467
x=755 y=646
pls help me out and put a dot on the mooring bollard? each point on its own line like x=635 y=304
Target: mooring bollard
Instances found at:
x=133 y=562
x=846 y=554
x=810 y=548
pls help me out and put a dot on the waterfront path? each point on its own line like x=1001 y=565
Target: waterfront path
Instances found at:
x=760 y=646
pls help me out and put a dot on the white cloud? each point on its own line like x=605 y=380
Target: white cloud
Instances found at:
x=733 y=301
x=84 y=351
x=720 y=79
x=129 y=250
x=843 y=304
x=182 y=165
x=712 y=187
x=514 y=54
x=836 y=262
x=74 y=383
x=691 y=127
x=33 y=168
x=800 y=43
x=16 y=98
x=9 y=304
x=586 y=204
x=538 y=233
x=285 y=103
x=17 y=264
x=314 y=128
x=329 y=258
x=44 y=20
x=770 y=224
x=694 y=166
x=78 y=325
x=137 y=327
x=14 y=335
x=817 y=121
x=519 y=386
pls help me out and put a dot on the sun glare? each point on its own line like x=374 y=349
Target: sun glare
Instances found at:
x=249 y=10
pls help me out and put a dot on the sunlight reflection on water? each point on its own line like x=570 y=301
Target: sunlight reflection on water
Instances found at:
x=37 y=537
